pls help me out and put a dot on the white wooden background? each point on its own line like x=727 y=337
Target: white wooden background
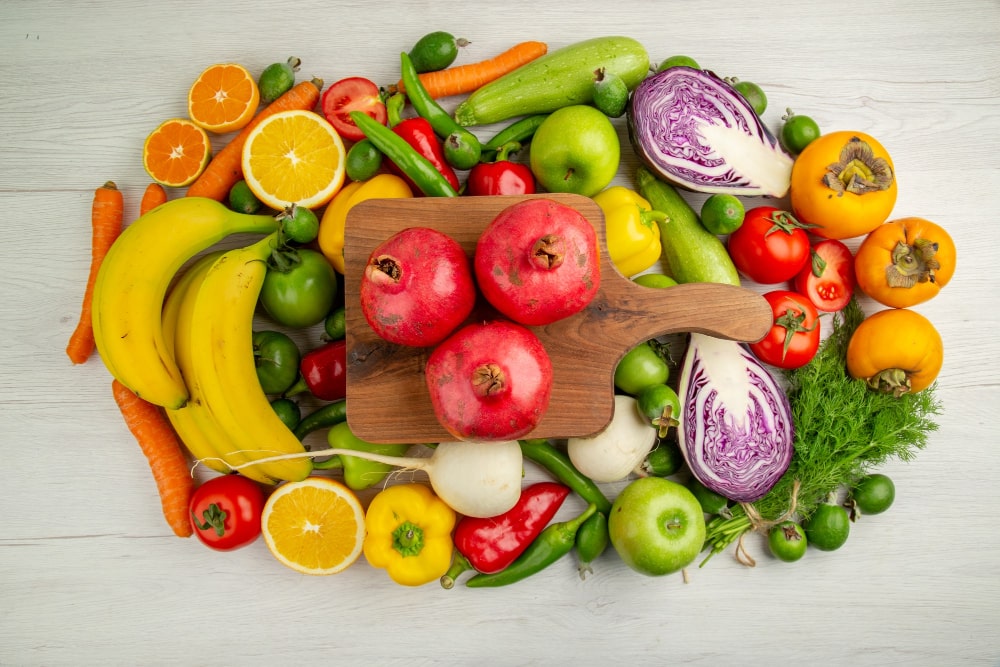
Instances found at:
x=89 y=572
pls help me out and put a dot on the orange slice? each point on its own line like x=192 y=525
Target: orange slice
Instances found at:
x=223 y=98
x=176 y=152
x=294 y=157
x=316 y=526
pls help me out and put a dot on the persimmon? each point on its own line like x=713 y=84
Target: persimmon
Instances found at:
x=905 y=262
x=896 y=351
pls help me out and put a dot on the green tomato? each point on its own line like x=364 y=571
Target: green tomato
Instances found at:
x=787 y=541
x=642 y=366
x=302 y=295
x=828 y=527
x=873 y=494
x=277 y=359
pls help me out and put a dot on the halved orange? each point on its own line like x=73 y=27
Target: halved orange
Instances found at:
x=176 y=152
x=294 y=157
x=315 y=526
x=223 y=98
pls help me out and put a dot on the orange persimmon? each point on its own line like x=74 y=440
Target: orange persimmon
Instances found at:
x=905 y=262
x=895 y=351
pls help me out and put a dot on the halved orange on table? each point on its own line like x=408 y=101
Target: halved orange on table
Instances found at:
x=294 y=157
x=176 y=152
x=315 y=526
x=223 y=98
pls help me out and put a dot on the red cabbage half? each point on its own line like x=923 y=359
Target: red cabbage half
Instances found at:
x=736 y=426
x=696 y=131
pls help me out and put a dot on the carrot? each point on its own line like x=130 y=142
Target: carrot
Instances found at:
x=154 y=195
x=165 y=453
x=466 y=78
x=106 y=215
x=226 y=168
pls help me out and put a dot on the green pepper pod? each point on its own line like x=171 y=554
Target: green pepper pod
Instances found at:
x=459 y=564
x=591 y=541
x=558 y=465
x=469 y=149
x=324 y=417
x=424 y=174
x=553 y=543
x=359 y=473
x=520 y=131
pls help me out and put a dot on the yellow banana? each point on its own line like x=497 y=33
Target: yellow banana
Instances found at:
x=222 y=361
x=133 y=281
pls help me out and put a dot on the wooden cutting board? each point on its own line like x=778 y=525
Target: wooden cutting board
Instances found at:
x=387 y=398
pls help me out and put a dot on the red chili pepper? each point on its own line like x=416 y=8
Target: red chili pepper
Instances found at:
x=501 y=177
x=493 y=543
x=419 y=134
x=323 y=372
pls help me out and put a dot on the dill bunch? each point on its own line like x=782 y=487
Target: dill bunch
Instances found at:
x=843 y=430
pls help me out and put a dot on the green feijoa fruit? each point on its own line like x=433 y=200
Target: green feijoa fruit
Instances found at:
x=277 y=79
x=678 y=61
x=242 y=199
x=753 y=94
x=873 y=494
x=288 y=411
x=828 y=527
x=363 y=161
x=335 y=324
x=435 y=51
x=722 y=214
x=610 y=93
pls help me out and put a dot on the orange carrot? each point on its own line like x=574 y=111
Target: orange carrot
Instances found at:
x=154 y=195
x=226 y=168
x=466 y=78
x=106 y=215
x=165 y=453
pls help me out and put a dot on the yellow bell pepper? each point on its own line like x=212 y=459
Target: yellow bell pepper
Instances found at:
x=331 y=226
x=631 y=230
x=409 y=534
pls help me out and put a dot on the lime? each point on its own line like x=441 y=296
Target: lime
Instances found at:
x=827 y=529
x=678 y=61
x=610 y=93
x=277 y=79
x=242 y=199
x=722 y=214
x=654 y=280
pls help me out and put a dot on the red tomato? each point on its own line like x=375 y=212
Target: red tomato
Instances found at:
x=794 y=337
x=770 y=247
x=355 y=93
x=225 y=512
x=828 y=278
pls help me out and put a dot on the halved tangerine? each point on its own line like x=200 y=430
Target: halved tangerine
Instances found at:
x=176 y=152
x=223 y=98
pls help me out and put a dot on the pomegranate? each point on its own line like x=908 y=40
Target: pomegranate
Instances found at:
x=538 y=262
x=489 y=381
x=417 y=287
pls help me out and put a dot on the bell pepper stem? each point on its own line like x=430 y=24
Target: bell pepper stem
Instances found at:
x=300 y=386
x=332 y=463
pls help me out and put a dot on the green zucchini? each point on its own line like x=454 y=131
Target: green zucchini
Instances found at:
x=559 y=78
x=692 y=253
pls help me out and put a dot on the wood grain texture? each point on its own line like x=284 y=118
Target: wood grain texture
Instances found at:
x=583 y=348
x=91 y=575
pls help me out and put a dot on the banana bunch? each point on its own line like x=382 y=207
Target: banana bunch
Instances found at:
x=131 y=286
x=228 y=420
x=191 y=351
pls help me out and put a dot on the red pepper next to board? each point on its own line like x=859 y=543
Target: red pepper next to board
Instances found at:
x=501 y=177
x=323 y=372
x=419 y=134
x=491 y=544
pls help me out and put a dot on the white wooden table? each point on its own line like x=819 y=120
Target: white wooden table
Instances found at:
x=89 y=572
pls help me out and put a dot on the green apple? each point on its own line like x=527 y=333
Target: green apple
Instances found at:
x=575 y=149
x=656 y=526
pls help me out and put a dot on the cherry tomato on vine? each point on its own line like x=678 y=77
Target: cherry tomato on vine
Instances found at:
x=828 y=278
x=276 y=357
x=642 y=366
x=355 y=93
x=794 y=336
x=771 y=245
x=302 y=292
x=225 y=512
x=787 y=541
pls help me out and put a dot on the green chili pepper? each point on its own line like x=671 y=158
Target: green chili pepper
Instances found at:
x=359 y=473
x=591 y=541
x=520 y=131
x=462 y=147
x=459 y=564
x=558 y=465
x=324 y=417
x=553 y=543
x=426 y=176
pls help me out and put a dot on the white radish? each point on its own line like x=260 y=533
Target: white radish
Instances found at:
x=477 y=479
x=616 y=451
